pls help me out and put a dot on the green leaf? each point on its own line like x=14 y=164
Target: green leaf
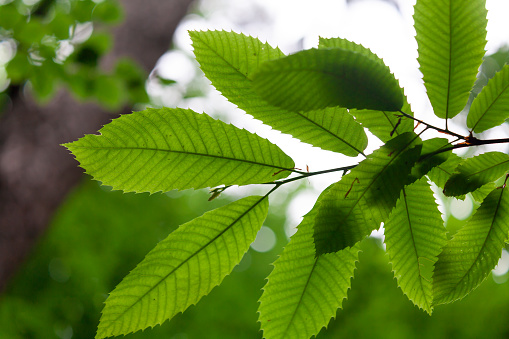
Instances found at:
x=19 y=68
x=10 y=17
x=89 y=53
x=60 y=23
x=348 y=45
x=182 y=268
x=415 y=236
x=475 y=172
x=319 y=78
x=44 y=80
x=362 y=199
x=501 y=57
x=428 y=159
x=482 y=192
x=82 y=11
x=303 y=292
x=474 y=251
x=441 y=173
x=133 y=78
x=229 y=59
x=31 y=32
x=489 y=108
x=164 y=149
x=108 y=90
x=384 y=125
x=451 y=36
x=108 y=12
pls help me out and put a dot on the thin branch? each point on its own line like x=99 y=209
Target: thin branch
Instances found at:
x=470 y=142
x=444 y=131
x=307 y=175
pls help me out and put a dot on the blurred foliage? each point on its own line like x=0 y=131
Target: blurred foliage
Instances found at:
x=377 y=309
x=97 y=237
x=52 y=43
x=491 y=64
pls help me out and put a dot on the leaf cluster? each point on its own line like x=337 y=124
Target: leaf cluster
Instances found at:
x=326 y=97
x=53 y=43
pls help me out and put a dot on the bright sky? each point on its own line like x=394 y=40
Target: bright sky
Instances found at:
x=296 y=24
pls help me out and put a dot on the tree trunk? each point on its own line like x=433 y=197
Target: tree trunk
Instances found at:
x=36 y=173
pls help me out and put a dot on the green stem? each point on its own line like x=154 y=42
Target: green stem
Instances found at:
x=307 y=175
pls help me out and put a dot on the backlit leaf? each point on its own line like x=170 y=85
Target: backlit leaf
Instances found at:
x=165 y=149
x=474 y=250
x=489 y=108
x=303 y=292
x=482 y=192
x=184 y=267
x=380 y=123
x=415 y=235
x=229 y=60
x=441 y=173
x=451 y=37
x=475 y=172
x=362 y=199
x=319 y=78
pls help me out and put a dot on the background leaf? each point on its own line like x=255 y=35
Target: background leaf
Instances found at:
x=319 y=78
x=362 y=199
x=475 y=172
x=474 y=250
x=303 y=292
x=415 y=235
x=451 y=37
x=183 y=268
x=489 y=108
x=229 y=60
x=164 y=149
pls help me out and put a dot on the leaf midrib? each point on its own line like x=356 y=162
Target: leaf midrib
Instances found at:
x=330 y=132
x=455 y=286
x=299 y=114
x=191 y=257
x=449 y=75
x=428 y=305
x=483 y=170
x=491 y=105
x=301 y=297
x=184 y=152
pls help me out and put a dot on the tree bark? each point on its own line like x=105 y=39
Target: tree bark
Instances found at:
x=36 y=173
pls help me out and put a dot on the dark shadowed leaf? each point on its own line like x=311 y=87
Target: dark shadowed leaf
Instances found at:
x=229 y=60
x=362 y=199
x=319 y=78
x=475 y=172
x=385 y=125
x=301 y=282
